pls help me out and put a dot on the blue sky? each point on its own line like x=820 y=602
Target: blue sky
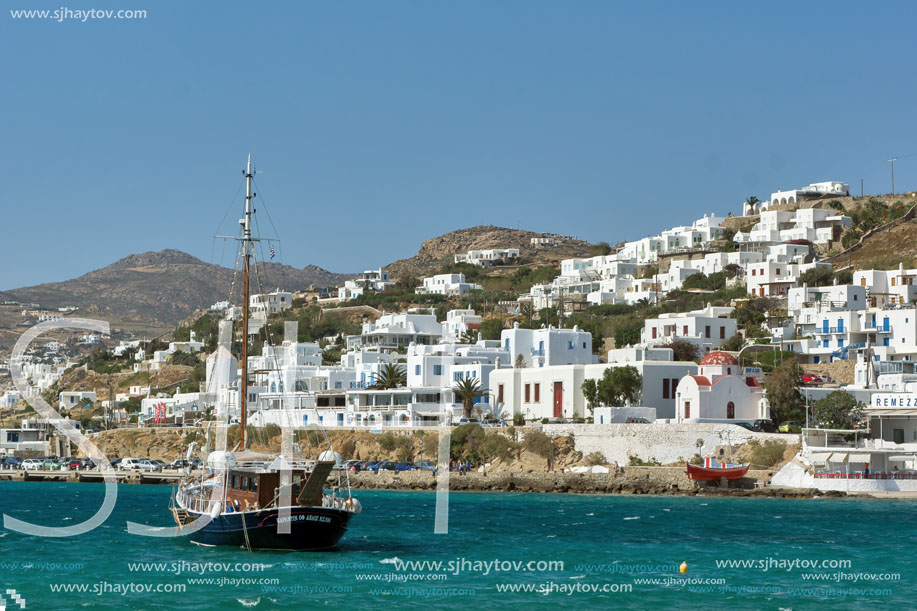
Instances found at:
x=381 y=124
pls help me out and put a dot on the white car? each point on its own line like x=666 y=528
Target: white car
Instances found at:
x=33 y=464
x=128 y=464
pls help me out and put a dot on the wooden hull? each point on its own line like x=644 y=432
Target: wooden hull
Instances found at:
x=707 y=474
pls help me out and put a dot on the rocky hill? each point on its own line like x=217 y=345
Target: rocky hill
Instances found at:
x=439 y=251
x=162 y=287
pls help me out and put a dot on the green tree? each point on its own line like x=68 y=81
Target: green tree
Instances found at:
x=839 y=410
x=600 y=249
x=617 y=387
x=782 y=387
x=520 y=362
x=527 y=313
x=468 y=390
x=684 y=351
x=392 y=375
x=591 y=394
x=491 y=328
x=817 y=276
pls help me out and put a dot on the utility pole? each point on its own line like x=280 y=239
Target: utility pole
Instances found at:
x=892 y=161
x=861 y=187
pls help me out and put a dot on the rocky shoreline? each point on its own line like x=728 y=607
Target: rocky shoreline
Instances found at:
x=630 y=480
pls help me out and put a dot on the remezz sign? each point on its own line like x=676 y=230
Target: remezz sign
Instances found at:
x=893 y=399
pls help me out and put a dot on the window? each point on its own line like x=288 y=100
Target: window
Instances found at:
x=730 y=410
x=417 y=370
x=840 y=342
x=824 y=343
x=570 y=345
x=500 y=393
x=665 y=388
x=253 y=484
x=687 y=409
x=437 y=370
x=654 y=332
x=457 y=376
x=722 y=332
x=707 y=331
x=684 y=330
x=674 y=386
x=754 y=272
x=537 y=393
x=527 y=395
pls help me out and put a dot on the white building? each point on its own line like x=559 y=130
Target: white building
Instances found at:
x=707 y=328
x=895 y=286
x=371 y=281
x=720 y=392
x=548 y=346
x=815 y=190
x=775 y=279
x=390 y=331
x=487 y=257
x=447 y=284
x=812 y=224
x=556 y=391
x=459 y=322
x=71 y=399
x=270 y=303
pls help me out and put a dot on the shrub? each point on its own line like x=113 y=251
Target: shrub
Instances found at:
x=537 y=443
x=595 y=458
x=767 y=454
x=544 y=420
x=636 y=461
x=518 y=420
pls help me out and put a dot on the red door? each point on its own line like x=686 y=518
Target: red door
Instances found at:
x=558 y=399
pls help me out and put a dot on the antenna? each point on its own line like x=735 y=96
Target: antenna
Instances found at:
x=892 y=161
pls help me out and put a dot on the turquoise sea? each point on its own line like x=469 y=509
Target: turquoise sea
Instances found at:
x=568 y=551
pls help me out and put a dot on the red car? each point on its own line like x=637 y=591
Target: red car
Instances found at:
x=811 y=378
x=74 y=464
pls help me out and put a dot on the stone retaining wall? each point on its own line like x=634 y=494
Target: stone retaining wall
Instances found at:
x=666 y=443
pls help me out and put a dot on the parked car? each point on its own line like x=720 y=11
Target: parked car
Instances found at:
x=765 y=426
x=812 y=378
x=347 y=466
x=88 y=463
x=745 y=425
x=404 y=466
x=12 y=462
x=369 y=464
x=382 y=465
x=51 y=464
x=74 y=464
x=791 y=427
x=424 y=465
x=127 y=464
x=147 y=464
x=33 y=464
x=162 y=464
x=637 y=420
x=468 y=421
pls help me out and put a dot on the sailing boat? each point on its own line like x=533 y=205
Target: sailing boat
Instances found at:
x=262 y=502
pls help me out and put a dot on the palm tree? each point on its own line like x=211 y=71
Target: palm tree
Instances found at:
x=390 y=376
x=527 y=312
x=752 y=200
x=467 y=390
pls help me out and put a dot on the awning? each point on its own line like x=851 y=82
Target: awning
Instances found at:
x=890 y=411
x=838 y=457
x=819 y=458
x=901 y=458
x=860 y=458
x=425 y=414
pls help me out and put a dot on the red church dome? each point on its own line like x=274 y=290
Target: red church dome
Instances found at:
x=717 y=357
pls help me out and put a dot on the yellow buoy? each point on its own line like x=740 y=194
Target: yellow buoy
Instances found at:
x=684 y=567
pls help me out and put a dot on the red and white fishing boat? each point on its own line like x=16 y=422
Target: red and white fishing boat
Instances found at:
x=712 y=470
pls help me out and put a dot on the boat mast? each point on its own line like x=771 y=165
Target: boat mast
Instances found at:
x=246 y=257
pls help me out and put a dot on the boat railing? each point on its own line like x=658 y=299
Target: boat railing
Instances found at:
x=197 y=503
